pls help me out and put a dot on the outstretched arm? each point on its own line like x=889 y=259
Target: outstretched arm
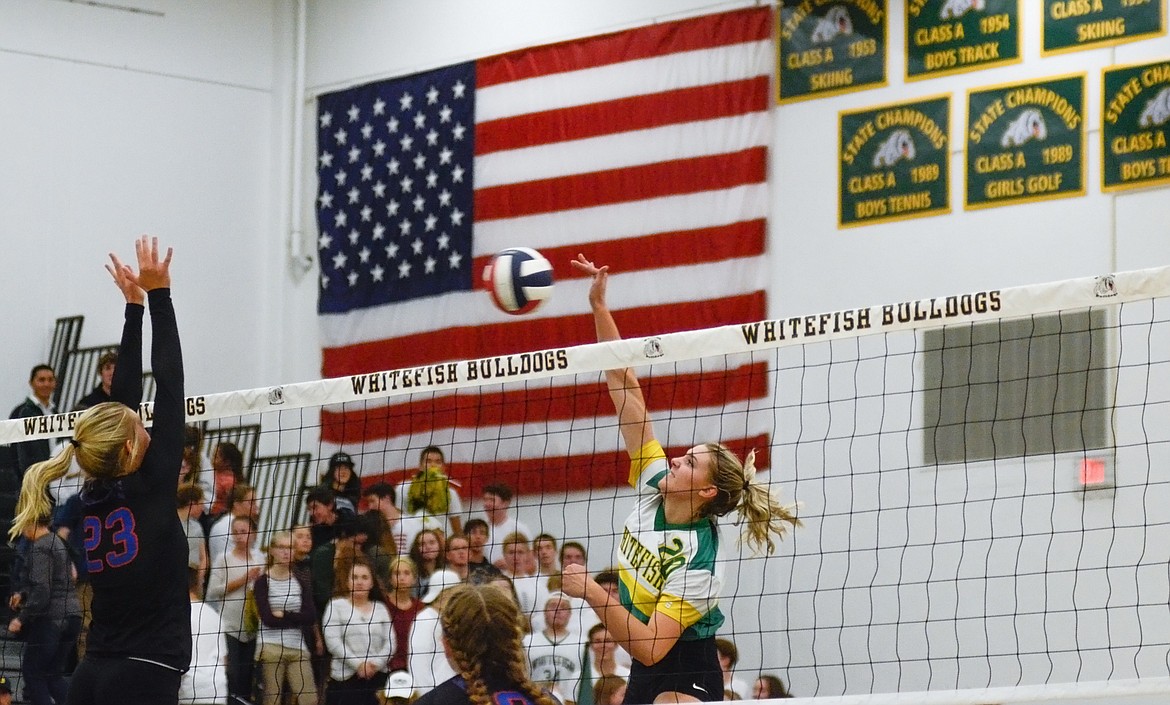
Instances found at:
x=624 y=389
x=648 y=643
x=127 y=385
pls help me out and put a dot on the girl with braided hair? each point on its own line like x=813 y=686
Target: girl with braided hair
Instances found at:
x=668 y=608
x=482 y=638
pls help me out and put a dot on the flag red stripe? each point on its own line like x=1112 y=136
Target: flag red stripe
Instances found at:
x=691 y=34
x=471 y=409
x=536 y=334
x=559 y=474
x=660 y=250
x=636 y=183
x=623 y=115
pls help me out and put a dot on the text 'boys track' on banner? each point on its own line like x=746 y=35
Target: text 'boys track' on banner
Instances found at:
x=944 y=37
x=1134 y=124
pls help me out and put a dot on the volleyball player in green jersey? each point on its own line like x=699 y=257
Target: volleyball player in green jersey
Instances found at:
x=669 y=589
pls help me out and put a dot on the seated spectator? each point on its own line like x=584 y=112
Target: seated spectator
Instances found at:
x=190 y=501
x=243 y=504
x=429 y=493
x=382 y=497
x=504 y=584
x=517 y=565
x=42 y=382
x=227 y=469
x=544 y=548
x=602 y=659
x=302 y=541
x=477 y=538
x=101 y=393
x=287 y=628
x=609 y=690
x=205 y=683
x=232 y=575
x=428 y=661
x=358 y=635
x=341 y=477
x=404 y=608
x=497 y=503
x=768 y=687
x=323 y=560
x=728 y=657
x=322 y=506
x=427 y=553
x=554 y=653
x=457 y=556
x=377 y=546
x=48 y=616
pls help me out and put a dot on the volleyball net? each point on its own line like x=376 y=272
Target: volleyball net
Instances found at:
x=983 y=478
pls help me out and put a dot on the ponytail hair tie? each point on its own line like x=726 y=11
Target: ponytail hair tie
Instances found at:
x=746 y=484
x=74 y=442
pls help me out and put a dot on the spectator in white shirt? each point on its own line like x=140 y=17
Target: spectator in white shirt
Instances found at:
x=359 y=638
x=497 y=501
x=205 y=683
x=382 y=497
x=243 y=504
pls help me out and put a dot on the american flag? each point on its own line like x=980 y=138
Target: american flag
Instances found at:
x=645 y=149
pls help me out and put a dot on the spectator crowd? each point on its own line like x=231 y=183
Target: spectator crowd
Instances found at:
x=342 y=608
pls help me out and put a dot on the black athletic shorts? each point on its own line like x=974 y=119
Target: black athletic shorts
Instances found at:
x=691 y=668
x=102 y=680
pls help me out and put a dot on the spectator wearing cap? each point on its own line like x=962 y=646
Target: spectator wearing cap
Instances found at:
x=342 y=478
x=428 y=661
x=399 y=688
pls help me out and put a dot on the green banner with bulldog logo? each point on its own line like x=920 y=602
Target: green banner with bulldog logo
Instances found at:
x=893 y=162
x=830 y=46
x=1070 y=25
x=1025 y=142
x=950 y=36
x=1134 y=122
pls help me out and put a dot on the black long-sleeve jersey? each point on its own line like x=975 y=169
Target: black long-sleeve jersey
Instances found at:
x=135 y=548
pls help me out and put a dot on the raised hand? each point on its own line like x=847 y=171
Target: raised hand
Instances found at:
x=152 y=274
x=600 y=278
x=125 y=280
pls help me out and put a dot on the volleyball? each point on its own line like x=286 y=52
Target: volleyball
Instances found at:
x=520 y=279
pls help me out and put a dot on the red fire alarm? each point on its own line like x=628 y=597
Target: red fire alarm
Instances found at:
x=1092 y=472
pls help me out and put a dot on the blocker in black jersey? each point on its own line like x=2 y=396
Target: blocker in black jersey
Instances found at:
x=135 y=548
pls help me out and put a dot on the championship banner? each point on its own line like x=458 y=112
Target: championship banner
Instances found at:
x=1070 y=25
x=1135 y=120
x=829 y=47
x=893 y=162
x=951 y=36
x=1025 y=142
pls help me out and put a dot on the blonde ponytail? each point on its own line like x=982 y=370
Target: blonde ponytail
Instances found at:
x=34 y=506
x=99 y=444
x=762 y=514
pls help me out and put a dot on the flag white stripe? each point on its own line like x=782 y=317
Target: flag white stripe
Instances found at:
x=469 y=308
x=625 y=80
x=651 y=146
x=565 y=438
x=613 y=222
